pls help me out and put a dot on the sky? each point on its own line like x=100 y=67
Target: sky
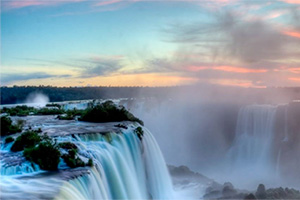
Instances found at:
x=243 y=43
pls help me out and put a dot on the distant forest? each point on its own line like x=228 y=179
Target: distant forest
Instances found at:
x=19 y=94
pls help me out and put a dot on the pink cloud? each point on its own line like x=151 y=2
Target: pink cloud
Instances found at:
x=236 y=83
x=108 y=2
x=292 y=1
x=15 y=4
x=292 y=33
x=297 y=79
x=294 y=70
x=226 y=68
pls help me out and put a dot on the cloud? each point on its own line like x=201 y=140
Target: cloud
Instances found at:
x=231 y=46
x=12 y=78
x=292 y=34
x=291 y=1
x=296 y=79
x=227 y=68
x=108 y=2
x=101 y=66
x=229 y=36
x=95 y=5
x=16 y=4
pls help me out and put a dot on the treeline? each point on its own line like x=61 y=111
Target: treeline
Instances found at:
x=211 y=93
x=18 y=94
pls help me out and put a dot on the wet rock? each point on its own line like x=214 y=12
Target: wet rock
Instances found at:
x=229 y=191
x=215 y=194
x=121 y=126
x=213 y=187
x=261 y=192
x=280 y=193
x=228 y=184
x=250 y=196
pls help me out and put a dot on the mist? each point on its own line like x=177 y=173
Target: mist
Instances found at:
x=37 y=99
x=228 y=134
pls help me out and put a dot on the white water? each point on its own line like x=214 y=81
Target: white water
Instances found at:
x=251 y=156
x=124 y=168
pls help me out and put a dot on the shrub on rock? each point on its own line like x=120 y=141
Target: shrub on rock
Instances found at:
x=139 y=131
x=7 y=127
x=72 y=160
x=46 y=155
x=27 y=139
x=108 y=112
x=9 y=140
x=67 y=145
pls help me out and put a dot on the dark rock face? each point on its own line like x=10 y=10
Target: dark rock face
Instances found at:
x=229 y=192
x=261 y=192
x=250 y=196
x=280 y=193
x=186 y=172
x=215 y=194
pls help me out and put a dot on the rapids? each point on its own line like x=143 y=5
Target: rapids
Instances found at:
x=125 y=167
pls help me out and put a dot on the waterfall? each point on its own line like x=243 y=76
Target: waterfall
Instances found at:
x=251 y=151
x=125 y=167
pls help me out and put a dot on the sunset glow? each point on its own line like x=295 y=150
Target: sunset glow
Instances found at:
x=150 y=43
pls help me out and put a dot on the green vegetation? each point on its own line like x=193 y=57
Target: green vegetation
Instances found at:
x=108 y=112
x=72 y=159
x=90 y=163
x=53 y=105
x=139 y=131
x=42 y=150
x=107 y=137
x=105 y=112
x=26 y=110
x=66 y=117
x=7 y=127
x=67 y=145
x=46 y=155
x=9 y=139
x=48 y=111
x=20 y=123
x=19 y=110
x=71 y=114
x=15 y=94
x=28 y=139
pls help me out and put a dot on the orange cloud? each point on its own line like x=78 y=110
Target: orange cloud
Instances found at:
x=119 y=80
x=297 y=79
x=236 y=83
x=227 y=69
x=239 y=69
x=292 y=1
x=292 y=33
x=197 y=68
x=294 y=70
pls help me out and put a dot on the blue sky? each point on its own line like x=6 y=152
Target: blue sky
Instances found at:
x=150 y=43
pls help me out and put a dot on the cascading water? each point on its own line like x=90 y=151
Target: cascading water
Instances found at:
x=251 y=156
x=125 y=167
